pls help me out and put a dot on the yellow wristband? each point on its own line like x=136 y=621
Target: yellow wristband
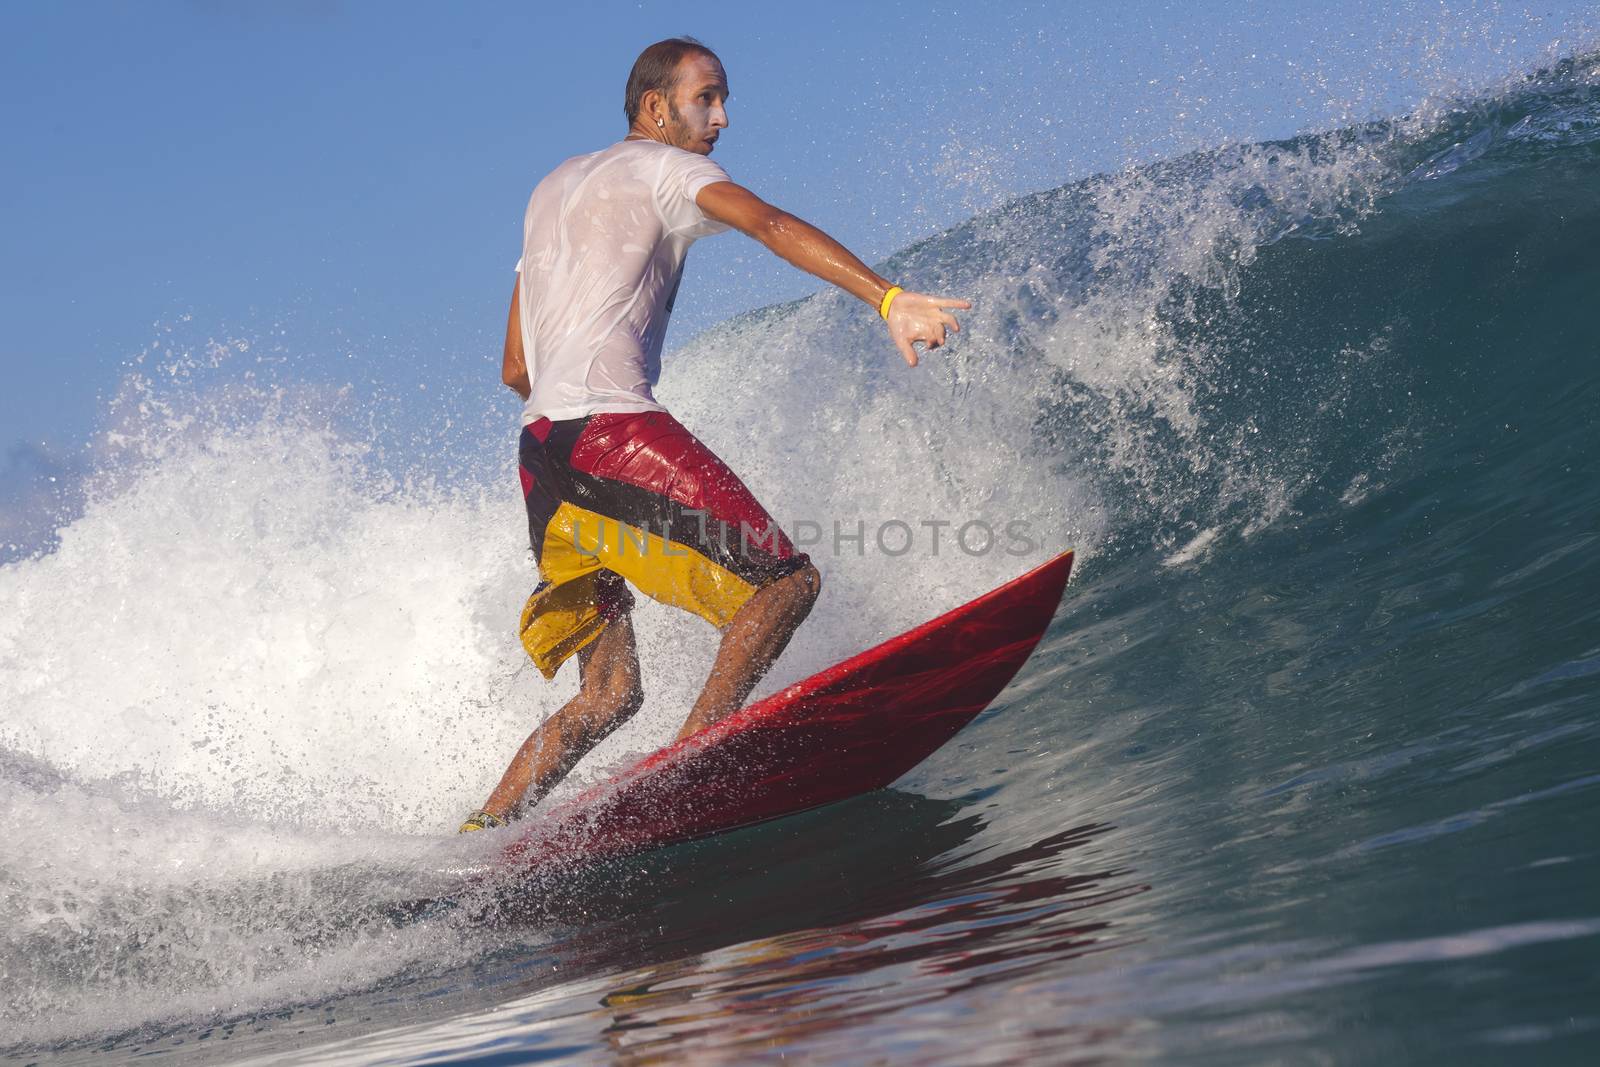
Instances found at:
x=888 y=298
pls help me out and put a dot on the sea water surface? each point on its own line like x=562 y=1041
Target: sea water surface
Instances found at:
x=1307 y=769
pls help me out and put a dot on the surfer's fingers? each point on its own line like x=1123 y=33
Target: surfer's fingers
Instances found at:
x=950 y=302
x=950 y=321
x=934 y=335
x=909 y=353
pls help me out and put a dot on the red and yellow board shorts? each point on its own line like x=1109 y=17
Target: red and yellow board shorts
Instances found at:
x=634 y=496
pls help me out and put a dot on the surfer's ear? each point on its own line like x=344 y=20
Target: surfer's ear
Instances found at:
x=653 y=107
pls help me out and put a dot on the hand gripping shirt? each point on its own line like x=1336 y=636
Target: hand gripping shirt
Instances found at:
x=603 y=244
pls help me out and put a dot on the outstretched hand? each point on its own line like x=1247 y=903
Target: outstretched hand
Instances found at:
x=921 y=317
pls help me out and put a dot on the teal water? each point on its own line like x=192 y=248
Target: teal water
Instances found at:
x=1307 y=769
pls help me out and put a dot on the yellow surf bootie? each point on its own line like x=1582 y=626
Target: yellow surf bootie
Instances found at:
x=481 y=820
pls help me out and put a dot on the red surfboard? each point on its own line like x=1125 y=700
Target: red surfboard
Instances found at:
x=852 y=728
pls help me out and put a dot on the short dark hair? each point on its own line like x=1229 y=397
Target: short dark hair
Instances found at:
x=657 y=68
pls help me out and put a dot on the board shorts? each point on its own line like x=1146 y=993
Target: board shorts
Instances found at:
x=632 y=497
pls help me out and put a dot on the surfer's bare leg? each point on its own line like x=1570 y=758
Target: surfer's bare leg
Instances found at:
x=608 y=695
x=752 y=642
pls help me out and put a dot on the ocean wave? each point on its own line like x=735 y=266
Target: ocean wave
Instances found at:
x=253 y=625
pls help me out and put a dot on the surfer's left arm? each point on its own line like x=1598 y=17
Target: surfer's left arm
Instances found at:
x=513 y=367
x=912 y=317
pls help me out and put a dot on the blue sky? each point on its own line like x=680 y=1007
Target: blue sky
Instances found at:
x=341 y=184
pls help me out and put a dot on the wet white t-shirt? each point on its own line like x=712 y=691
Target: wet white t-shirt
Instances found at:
x=602 y=252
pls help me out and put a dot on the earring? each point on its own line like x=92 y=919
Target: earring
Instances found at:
x=659 y=122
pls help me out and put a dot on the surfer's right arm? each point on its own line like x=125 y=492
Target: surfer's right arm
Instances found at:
x=912 y=317
x=513 y=368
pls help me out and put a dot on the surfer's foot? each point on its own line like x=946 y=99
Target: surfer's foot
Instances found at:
x=481 y=820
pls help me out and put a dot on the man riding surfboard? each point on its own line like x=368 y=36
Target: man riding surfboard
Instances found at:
x=617 y=491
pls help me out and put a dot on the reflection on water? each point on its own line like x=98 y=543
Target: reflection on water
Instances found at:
x=956 y=929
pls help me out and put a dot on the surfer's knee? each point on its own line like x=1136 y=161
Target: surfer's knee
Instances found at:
x=806 y=585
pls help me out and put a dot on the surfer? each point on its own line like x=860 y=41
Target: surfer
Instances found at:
x=617 y=490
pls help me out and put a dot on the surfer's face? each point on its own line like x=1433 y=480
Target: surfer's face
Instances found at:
x=696 y=109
